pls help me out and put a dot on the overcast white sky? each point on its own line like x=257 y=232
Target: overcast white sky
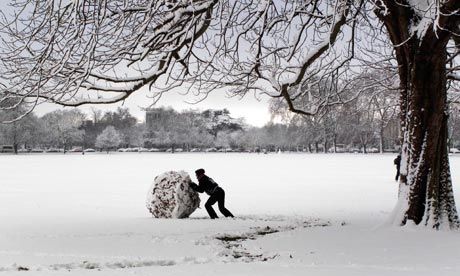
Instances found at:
x=255 y=111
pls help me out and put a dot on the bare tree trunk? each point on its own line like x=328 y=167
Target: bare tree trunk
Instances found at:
x=363 y=145
x=381 y=139
x=334 y=141
x=425 y=183
x=325 y=140
x=425 y=193
x=15 y=138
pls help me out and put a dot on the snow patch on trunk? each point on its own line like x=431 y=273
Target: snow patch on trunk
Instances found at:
x=399 y=212
x=427 y=15
x=398 y=216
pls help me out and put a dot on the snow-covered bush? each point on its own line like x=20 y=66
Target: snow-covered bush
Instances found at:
x=109 y=138
x=171 y=196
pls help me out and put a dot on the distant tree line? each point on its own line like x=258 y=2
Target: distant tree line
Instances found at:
x=367 y=124
x=190 y=129
x=65 y=129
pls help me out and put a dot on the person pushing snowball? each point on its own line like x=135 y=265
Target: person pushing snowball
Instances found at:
x=215 y=192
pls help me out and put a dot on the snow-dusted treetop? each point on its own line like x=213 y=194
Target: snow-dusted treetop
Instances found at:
x=79 y=52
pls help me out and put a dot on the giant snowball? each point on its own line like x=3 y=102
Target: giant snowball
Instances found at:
x=171 y=196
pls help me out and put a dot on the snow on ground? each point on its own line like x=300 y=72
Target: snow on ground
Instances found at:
x=298 y=214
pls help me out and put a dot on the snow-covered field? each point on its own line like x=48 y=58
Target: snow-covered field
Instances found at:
x=297 y=214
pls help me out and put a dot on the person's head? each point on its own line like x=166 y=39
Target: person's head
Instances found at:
x=199 y=173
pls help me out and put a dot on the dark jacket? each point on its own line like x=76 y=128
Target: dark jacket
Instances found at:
x=397 y=162
x=205 y=184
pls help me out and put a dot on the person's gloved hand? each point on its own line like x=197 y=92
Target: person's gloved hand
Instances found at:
x=193 y=185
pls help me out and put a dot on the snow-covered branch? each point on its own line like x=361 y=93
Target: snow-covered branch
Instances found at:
x=79 y=52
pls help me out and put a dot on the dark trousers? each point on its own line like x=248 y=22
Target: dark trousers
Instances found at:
x=397 y=175
x=219 y=197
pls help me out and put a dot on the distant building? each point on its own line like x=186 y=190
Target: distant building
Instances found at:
x=157 y=117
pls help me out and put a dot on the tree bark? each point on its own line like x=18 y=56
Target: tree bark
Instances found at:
x=425 y=176
x=425 y=188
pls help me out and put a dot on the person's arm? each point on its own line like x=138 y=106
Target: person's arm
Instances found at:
x=196 y=187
